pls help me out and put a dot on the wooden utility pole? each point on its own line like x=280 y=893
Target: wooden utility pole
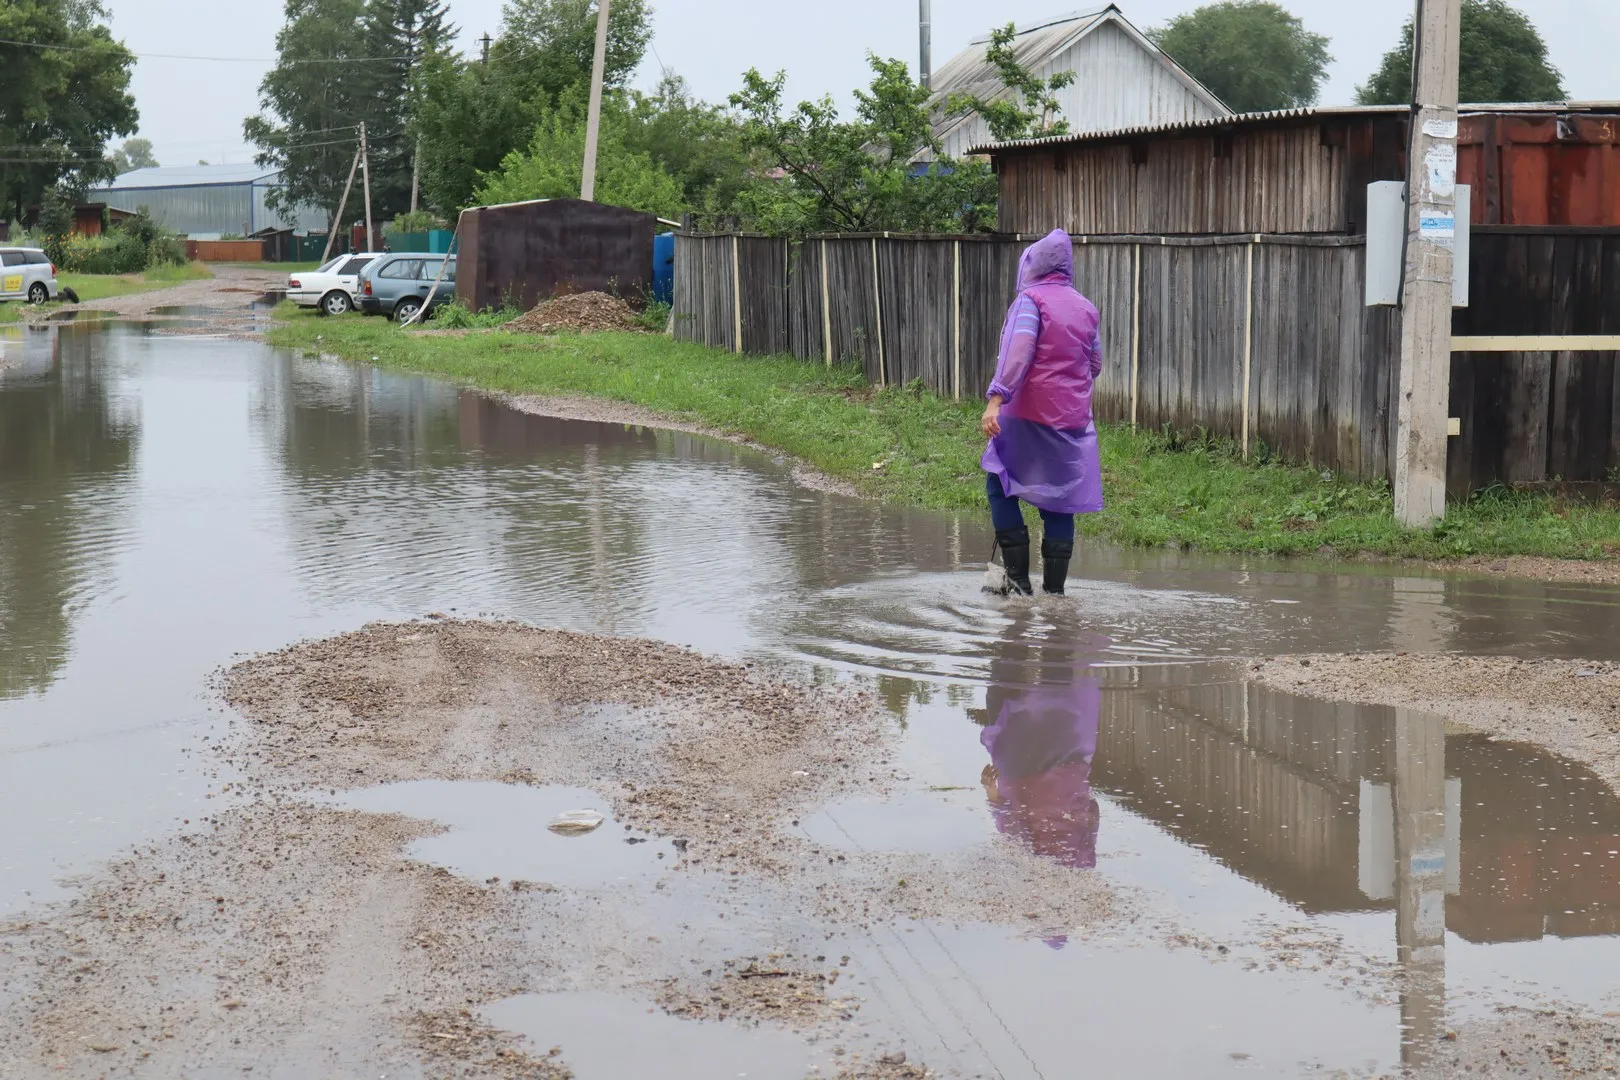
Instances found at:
x=593 y=121
x=1431 y=224
x=342 y=203
x=365 y=171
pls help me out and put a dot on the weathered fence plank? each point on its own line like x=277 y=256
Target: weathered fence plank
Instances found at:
x=1195 y=315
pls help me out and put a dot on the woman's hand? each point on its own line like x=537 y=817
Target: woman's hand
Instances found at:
x=990 y=423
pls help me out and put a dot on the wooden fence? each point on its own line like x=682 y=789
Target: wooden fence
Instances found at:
x=1264 y=339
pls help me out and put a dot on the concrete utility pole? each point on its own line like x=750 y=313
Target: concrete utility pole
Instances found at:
x=337 y=221
x=1420 y=447
x=593 y=122
x=925 y=44
x=365 y=172
x=416 y=175
x=1420 y=882
x=485 y=41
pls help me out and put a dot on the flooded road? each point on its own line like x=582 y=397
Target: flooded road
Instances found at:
x=1376 y=876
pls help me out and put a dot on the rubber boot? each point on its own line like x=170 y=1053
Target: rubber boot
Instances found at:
x=1055 y=554
x=1014 y=544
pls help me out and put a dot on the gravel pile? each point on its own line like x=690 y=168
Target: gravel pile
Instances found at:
x=585 y=313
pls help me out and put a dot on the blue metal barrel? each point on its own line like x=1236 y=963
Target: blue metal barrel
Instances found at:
x=663 y=277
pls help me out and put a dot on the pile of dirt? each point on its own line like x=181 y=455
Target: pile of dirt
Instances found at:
x=584 y=313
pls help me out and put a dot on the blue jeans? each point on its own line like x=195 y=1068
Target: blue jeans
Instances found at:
x=1005 y=514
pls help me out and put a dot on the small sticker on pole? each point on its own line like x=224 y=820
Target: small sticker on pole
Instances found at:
x=1440 y=129
x=1438 y=228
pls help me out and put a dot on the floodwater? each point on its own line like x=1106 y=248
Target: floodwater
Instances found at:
x=169 y=504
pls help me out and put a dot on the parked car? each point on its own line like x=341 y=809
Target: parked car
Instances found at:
x=398 y=285
x=332 y=288
x=27 y=274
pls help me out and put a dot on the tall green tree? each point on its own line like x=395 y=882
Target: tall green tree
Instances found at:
x=1030 y=109
x=551 y=166
x=471 y=114
x=1252 y=54
x=815 y=172
x=405 y=33
x=698 y=143
x=313 y=100
x=59 y=104
x=134 y=154
x=1503 y=58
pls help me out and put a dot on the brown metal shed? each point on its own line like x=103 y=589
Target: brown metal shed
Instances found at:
x=532 y=251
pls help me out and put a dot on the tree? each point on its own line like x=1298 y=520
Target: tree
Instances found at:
x=471 y=114
x=62 y=97
x=134 y=154
x=814 y=172
x=1252 y=54
x=406 y=33
x=1030 y=109
x=699 y=144
x=552 y=165
x=313 y=101
x=1502 y=59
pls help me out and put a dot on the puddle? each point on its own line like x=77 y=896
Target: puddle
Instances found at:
x=499 y=831
x=608 y=1036
x=237 y=499
x=185 y=311
x=77 y=315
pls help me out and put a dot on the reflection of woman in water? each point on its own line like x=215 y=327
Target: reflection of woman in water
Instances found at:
x=1042 y=710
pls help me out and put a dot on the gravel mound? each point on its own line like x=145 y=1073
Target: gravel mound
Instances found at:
x=585 y=313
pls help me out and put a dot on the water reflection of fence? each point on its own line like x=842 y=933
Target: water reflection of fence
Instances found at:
x=1305 y=798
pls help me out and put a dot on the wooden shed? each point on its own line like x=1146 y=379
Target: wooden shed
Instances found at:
x=1307 y=171
x=530 y=251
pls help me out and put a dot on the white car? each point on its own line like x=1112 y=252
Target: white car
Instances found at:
x=333 y=287
x=27 y=274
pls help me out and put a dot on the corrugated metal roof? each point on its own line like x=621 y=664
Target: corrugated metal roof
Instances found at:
x=1243 y=119
x=969 y=72
x=190 y=176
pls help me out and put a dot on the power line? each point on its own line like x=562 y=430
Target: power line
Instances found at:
x=209 y=59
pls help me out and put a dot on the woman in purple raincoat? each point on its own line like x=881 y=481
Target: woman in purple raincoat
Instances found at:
x=1043 y=444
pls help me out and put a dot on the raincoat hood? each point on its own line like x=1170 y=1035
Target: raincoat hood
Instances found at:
x=1051 y=258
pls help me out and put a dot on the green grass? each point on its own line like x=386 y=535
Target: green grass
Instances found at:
x=910 y=446
x=107 y=286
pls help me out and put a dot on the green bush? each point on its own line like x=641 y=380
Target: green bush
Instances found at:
x=112 y=253
x=458 y=316
x=136 y=244
x=418 y=221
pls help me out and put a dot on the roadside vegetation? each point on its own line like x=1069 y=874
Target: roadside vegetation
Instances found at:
x=908 y=445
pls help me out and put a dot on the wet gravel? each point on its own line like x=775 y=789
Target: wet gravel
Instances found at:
x=285 y=933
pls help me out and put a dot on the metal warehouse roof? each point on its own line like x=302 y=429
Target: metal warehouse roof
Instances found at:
x=1260 y=118
x=191 y=176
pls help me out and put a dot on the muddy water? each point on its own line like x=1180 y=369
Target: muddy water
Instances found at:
x=168 y=504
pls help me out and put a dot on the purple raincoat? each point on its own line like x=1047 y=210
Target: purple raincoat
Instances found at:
x=1051 y=354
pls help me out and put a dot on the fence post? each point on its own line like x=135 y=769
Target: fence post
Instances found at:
x=956 y=320
x=1248 y=341
x=736 y=291
x=826 y=307
x=1136 y=330
x=877 y=304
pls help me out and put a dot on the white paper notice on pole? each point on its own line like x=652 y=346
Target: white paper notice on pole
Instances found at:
x=1442 y=170
x=1440 y=129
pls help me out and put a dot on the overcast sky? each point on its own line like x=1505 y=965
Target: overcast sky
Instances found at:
x=193 y=110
